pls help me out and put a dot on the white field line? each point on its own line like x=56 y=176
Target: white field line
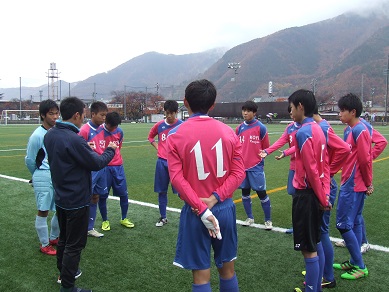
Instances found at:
x=240 y=222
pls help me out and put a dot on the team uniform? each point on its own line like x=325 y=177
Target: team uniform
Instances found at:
x=357 y=175
x=116 y=178
x=337 y=151
x=254 y=138
x=161 y=178
x=205 y=158
x=288 y=136
x=38 y=165
x=94 y=133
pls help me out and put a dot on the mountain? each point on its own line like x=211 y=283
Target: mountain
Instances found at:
x=334 y=53
x=333 y=57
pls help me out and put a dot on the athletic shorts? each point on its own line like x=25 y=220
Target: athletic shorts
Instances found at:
x=116 y=179
x=255 y=180
x=193 y=249
x=99 y=182
x=290 y=188
x=306 y=218
x=349 y=208
x=162 y=178
x=43 y=189
x=327 y=214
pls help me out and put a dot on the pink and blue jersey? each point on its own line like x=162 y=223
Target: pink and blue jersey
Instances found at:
x=357 y=171
x=312 y=168
x=93 y=133
x=289 y=137
x=162 y=129
x=378 y=140
x=115 y=136
x=213 y=160
x=254 y=138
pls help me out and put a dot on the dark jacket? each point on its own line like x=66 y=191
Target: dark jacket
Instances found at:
x=71 y=161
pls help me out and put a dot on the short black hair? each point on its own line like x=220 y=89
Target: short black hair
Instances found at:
x=250 y=106
x=98 y=106
x=171 y=106
x=200 y=95
x=45 y=106
x=351 y=102
x=113 y=119
x=306 y=98
x=69 y=106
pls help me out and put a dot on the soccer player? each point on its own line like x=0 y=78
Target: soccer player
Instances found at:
x=338 y=151
x=116 y=178
x=356 y=182
x=311 y=181
x=93 y=133
x=71 y=161
x=254 y=138
x=288 y=136
x=206 y=167
x=161 y=179
x=37 y=164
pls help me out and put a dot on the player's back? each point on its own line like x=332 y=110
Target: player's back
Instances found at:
x=206 y=148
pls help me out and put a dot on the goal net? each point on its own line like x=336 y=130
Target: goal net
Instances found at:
x=19 y=117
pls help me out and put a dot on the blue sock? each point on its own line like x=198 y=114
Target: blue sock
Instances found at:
x=229 y=285
x=312 y=268
x=92 y=215
x=328 y=249
x=162 y=203
x=42 y=230
x=246 y=200
x=124 y=205
x=364 y=237
x=54 y=230
x=266 y=206
x=201 y=287
x=320 y=254
x=103 y=208
x=358 y=233
x=354 y=248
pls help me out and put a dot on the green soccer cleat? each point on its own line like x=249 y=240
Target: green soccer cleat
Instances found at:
x=355 y=273
x=127 y=223
x=105 y=226
x=345 y=266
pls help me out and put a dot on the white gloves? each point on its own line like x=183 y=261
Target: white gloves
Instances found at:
x=209 y=223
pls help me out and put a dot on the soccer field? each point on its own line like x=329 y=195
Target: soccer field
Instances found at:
x=140 y=259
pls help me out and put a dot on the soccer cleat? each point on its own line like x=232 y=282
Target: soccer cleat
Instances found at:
x=328 y=284
x=54 y=242
x=95 y=233
x=49 y=250
x=105 y=225
x=355 y=273
x=289 y=231
x=365 y=247
x=268 y=225
x=78 y=274
x=304 y=273
x=248 y=222
x=298 y=290
x=161 y=222
x=340 y=243
x=127 y=223
x=345 y=266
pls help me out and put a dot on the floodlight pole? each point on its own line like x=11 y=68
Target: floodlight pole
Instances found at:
x=386 y=72
x=235 y=66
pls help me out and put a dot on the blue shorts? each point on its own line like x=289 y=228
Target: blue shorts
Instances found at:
x=325 y=223
x=290 y=188
x=255 y=180
x=99 y=182
x=349 y=208
x=116 y=179
x=162 y=178
x=193 y=249
x=43 y=189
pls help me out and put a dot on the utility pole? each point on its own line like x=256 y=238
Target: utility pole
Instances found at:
x=386 y=72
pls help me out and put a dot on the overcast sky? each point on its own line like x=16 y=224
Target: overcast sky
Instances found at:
x=87 y=37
